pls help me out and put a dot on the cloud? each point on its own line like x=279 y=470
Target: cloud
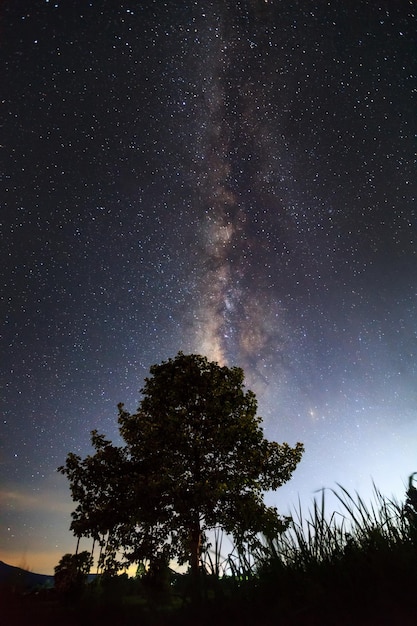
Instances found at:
x=21 y=500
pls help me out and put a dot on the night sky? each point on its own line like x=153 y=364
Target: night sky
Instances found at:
x=230 y=178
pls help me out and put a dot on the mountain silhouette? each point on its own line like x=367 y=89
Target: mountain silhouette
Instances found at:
x=18 y=578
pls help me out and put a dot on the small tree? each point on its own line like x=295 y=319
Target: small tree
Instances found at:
x=195 y=458
x=71 y=574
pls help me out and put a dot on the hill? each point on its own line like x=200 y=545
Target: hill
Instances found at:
x=21 y=579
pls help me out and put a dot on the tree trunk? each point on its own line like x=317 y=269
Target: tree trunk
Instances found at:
x=92 y=552
x=102 y=544
x=195 y=553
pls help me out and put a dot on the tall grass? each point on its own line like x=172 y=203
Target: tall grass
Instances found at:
x=358 y=561
x=361 y=557
x=319 y=537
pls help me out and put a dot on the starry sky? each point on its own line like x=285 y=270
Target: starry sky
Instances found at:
x=230 y=178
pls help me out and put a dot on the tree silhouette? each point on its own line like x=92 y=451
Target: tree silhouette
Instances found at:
x=71 y=574
x=195 y=458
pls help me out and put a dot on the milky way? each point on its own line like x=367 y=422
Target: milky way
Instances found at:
x=237 y=320
x=235 y=179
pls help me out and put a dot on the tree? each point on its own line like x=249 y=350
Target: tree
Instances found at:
x=71 y=574
x=195 y=458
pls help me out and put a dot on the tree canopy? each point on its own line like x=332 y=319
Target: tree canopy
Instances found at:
x=71 y=573
x=194 y=458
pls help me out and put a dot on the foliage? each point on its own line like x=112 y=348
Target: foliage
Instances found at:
x=71 y=574
x=95 y=485
x=195 y=458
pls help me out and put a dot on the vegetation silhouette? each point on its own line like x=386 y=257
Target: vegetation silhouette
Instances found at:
x=194 y=459
x=354 y=566
x=71 y=574
x=192 y=472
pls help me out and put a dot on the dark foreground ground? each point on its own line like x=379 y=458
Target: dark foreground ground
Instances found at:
x=46 y=610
